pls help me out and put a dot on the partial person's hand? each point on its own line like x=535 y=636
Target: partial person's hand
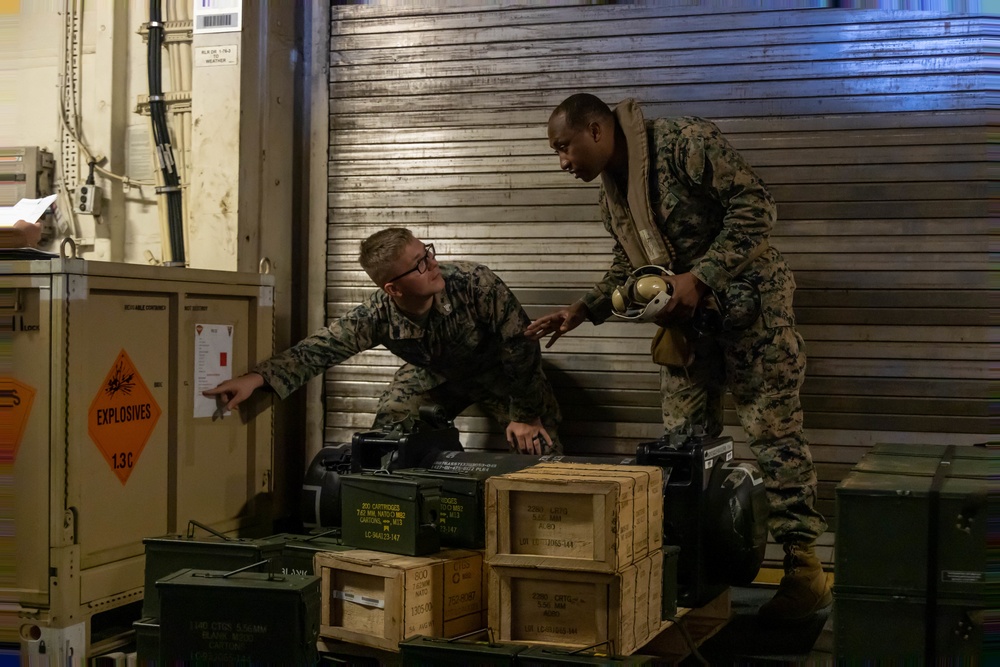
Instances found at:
x=528 y=437
x=557 y=323
x=237 y=390
x=32 y=232
x=687 y=293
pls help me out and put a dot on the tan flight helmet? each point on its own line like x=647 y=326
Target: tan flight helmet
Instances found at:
x=644 y=295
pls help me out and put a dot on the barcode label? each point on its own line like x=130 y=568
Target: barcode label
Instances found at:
x=208 y=21
x=218 y=15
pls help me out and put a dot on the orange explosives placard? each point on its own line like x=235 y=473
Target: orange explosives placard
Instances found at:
x=15 y=406
x=122 y=417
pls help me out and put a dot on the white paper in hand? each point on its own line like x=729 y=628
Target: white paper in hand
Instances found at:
x=29 y=210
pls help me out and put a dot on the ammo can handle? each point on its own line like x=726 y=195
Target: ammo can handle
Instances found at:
x=469 y=634
x=226 y=575
x=249 y=567
x=611 y=647
x=192 y=523
x=333 y=531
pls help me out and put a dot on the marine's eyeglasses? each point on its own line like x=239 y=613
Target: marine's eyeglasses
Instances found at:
x=421 y=266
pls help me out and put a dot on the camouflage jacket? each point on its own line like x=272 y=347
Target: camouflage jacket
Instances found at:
x=473 y=333
x=714 y=210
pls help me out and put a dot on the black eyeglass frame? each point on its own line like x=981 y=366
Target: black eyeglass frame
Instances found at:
x=421 y=266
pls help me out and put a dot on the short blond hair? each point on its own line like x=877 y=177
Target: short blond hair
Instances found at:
x=381 y=250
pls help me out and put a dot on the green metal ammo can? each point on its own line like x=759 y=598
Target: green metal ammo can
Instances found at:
x=393 y=513
x=238 y=618
x=298 y=550
x=911 y=547
x=147 y=640
x=170 y=553
x=472 y=649
x=462 y=520
x=542 y=656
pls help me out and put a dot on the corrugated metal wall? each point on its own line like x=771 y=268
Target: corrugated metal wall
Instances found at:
x=869 y=127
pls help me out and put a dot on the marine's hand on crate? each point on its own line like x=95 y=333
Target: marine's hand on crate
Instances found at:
x=237 y=390
x=528 y=437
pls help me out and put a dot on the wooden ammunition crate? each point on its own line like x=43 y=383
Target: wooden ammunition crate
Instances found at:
x=378 y=599
x=576 y=609
x=566 y=518
x=647 y=508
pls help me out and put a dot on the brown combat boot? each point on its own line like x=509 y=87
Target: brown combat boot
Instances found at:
x=803 y=590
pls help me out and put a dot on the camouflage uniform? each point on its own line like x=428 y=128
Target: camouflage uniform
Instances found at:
x=470 y=349
x=715 y=211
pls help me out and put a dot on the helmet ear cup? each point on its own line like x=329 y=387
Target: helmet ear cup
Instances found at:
x=618 y=300
x=643 y=295
x=647 y=287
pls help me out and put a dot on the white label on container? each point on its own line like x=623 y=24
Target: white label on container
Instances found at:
x=358 y=599
x=213 y=364
x=210 y=56
x=718 y=450
x=218 y=16
x=961 y=577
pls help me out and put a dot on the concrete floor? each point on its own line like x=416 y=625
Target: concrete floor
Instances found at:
x=742 y=641
x=745 y=640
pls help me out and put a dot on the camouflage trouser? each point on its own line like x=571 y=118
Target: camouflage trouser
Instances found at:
x=763 y=368
x=408 y=392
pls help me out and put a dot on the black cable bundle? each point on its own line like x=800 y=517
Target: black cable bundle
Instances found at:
x=161 y=137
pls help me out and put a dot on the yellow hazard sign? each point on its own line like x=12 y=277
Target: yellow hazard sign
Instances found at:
x=122 y=417
x=15 y=406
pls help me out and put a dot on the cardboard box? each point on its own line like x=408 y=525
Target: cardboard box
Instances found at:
x=379 y=599
x=576 y=609
x=565 y=517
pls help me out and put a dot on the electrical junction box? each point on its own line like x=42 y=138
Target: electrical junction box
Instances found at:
x=88 y=199
x=111 y=442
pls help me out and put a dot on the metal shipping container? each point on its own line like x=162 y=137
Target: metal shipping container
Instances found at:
x=108 y=440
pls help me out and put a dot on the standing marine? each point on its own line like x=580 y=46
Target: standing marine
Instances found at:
x=676 y=194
